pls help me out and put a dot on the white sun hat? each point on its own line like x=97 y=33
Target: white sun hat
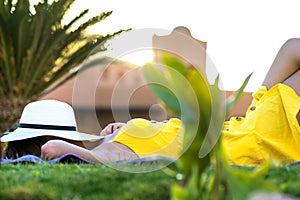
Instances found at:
x=48 y=118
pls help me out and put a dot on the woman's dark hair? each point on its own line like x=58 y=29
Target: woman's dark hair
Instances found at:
x=31 y=146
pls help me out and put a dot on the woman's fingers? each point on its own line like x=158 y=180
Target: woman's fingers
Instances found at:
x=110 y=128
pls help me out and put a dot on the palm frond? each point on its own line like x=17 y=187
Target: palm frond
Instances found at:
x=37 y=50
x=7 y=51
x=71 y=62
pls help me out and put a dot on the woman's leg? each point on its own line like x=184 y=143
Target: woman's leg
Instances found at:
x=294 y=82
x=286 y=63
x=286 y=67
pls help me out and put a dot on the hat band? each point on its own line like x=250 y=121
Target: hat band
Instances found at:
x=49 y=127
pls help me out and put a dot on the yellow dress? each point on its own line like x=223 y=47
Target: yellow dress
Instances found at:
x=269 y=130
x=147 y=138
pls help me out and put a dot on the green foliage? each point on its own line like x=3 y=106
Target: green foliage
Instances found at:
x=192 y=103
x=238 y=94
x=37 y=51
x=187 y=94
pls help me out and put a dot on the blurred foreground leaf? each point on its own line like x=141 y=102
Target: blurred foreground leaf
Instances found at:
x=186 y=93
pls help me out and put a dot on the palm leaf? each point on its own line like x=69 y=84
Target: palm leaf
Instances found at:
x=56 y=45
x=37 y=50
x=6 y=55
x=93 y=63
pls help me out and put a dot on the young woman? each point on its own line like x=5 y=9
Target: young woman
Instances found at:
x=135 y=139
x=269 y=131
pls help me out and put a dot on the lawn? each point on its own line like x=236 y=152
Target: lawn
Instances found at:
x=80 y=181
x=88 y=181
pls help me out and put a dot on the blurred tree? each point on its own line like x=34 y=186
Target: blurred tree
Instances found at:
x=37 y=51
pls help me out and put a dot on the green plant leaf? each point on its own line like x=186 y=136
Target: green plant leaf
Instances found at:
x=176 y=64
x=161 y=88
x=237 y=95
x=188 y=84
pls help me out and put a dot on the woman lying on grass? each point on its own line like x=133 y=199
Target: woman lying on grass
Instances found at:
x=136 y=139
x=269 y=131
x=47 y=128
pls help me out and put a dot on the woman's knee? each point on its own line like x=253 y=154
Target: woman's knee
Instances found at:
x=292 y=46
x=292 y=42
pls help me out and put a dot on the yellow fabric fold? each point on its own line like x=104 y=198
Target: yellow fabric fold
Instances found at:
x=147 y=138
x=269 y=130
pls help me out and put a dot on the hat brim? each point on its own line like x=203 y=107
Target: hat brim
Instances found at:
x=26 y=133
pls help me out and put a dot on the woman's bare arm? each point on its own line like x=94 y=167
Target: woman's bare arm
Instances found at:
x=104 y=153
x=56 y=148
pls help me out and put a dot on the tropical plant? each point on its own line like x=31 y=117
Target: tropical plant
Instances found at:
x=202 y=108
x=37 y=51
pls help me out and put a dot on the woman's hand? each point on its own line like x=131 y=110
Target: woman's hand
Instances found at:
x=110 y=128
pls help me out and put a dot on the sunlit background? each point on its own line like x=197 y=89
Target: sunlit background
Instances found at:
x=242 y=36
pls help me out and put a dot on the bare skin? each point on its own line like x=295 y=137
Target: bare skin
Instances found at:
x=284 y=69
x=285 y=66
x=105 y=152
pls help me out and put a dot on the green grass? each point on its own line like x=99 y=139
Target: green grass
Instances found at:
x=87 y=181
x=83 y=181
x=286 y=178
